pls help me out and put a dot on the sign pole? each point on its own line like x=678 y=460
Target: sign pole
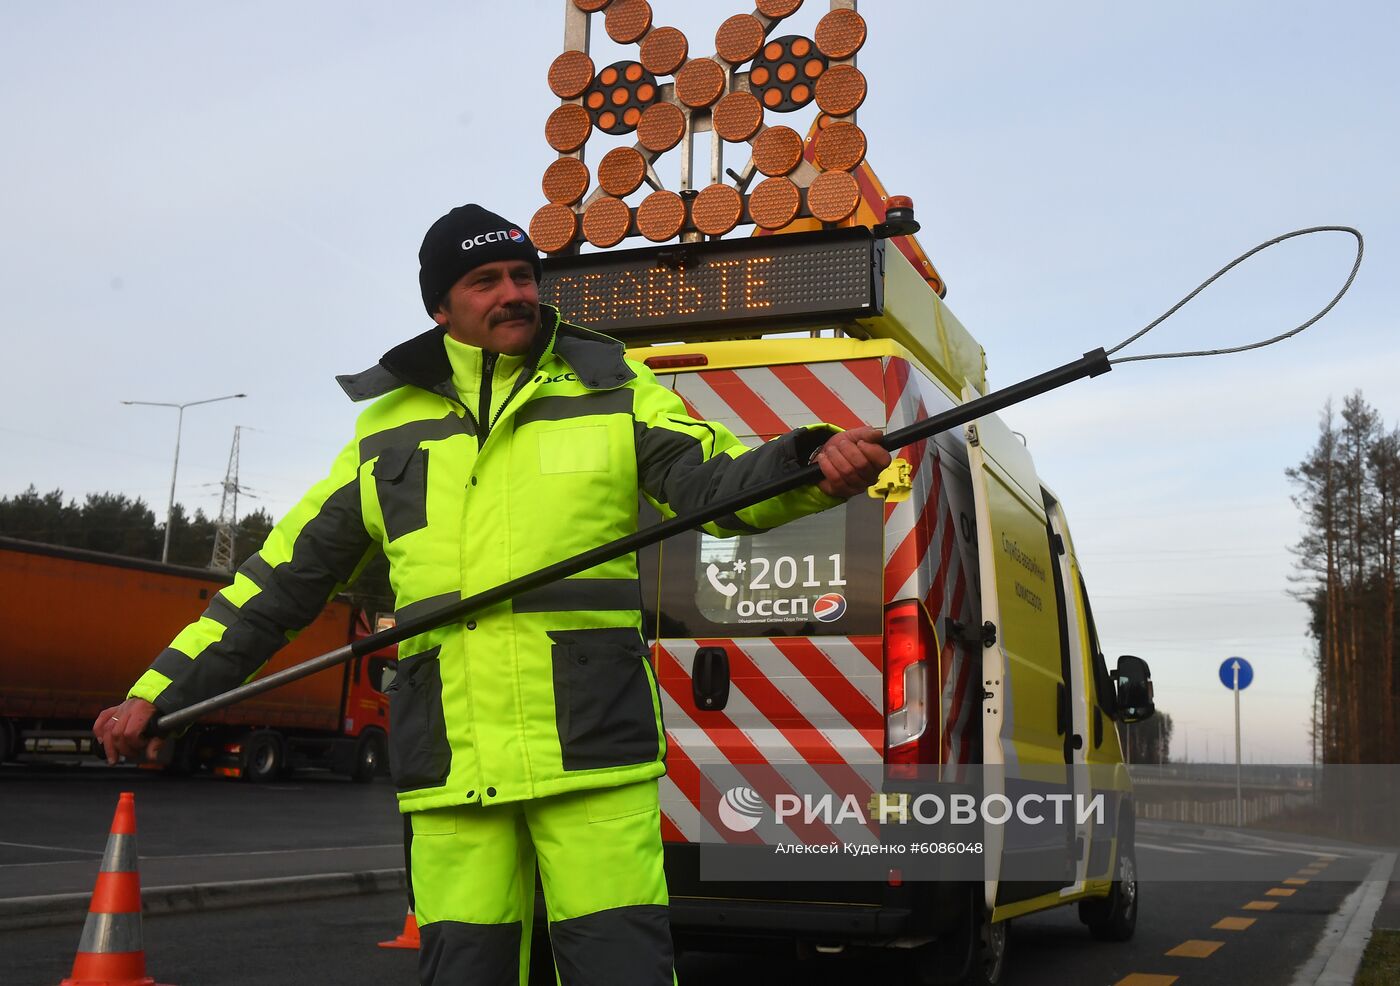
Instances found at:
x=1236 y=674
x=1239 y=797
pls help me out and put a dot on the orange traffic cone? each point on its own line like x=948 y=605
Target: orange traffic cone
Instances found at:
x=408 y=938
x=110 y=952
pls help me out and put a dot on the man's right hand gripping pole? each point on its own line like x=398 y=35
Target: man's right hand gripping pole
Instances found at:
x=121 y=731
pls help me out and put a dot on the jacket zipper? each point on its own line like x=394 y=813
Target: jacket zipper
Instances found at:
x=483 y=419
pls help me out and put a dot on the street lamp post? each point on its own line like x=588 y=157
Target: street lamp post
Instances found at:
x=179 y=427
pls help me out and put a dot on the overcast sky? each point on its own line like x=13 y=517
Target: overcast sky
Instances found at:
x=200 y=199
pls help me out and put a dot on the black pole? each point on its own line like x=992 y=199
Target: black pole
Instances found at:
x=1089 y=365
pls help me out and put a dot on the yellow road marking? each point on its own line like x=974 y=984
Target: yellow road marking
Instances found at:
x=1261 y=905
x=1296 y=881
x=1196 y=949
x=1146 y=979
x=1233 y=924
x=1279 y=892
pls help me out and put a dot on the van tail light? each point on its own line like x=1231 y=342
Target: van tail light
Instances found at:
x=910 y=648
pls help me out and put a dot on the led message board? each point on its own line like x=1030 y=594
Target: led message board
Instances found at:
x=721 y=287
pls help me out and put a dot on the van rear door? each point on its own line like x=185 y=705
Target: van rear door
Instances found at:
x=794 y=613
x=1026 y=704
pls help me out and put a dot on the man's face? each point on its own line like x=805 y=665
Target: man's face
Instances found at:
x=495 y=307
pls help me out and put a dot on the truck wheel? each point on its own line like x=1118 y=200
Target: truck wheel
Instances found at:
x=369 y=757
x=184 y=756
x=1114 y=918
x=263 y=756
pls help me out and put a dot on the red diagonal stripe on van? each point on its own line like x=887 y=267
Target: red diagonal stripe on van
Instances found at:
x=914 y=455
x=683 y=773
x=960 y=686
x=737 y=749
x=940 y=581
x=907 y=558
x=896 y=376
x=669 y=831
x=835 y=687
x=873 y=648
x=820 y=398
x=735 y=393
x=698 y=790
x=809 y=743
x=776 y=707
x=904 y=406
x=972 y=724
x=868 y=372
x=910 y=554
x=690 y=408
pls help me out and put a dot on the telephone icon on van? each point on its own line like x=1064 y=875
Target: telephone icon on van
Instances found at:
x=726 y=589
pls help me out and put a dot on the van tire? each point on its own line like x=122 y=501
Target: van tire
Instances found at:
x=989 y=952
x=975 y=949
x=1114 y=918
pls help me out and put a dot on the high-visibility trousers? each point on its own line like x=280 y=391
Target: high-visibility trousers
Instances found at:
x=600 y=861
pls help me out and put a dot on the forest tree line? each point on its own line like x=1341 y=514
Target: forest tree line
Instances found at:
x=114 y=523
x=1349 y=494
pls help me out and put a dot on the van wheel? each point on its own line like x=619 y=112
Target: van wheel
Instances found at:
x=989 y=953
x=974 y=954
x=369 y=757
x=263 y=756
x=1114 y=918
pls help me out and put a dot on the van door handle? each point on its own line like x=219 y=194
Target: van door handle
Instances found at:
x=709 y=679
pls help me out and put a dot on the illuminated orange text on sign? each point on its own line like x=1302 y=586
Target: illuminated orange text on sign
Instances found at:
x=737 y=284
x=790 y=279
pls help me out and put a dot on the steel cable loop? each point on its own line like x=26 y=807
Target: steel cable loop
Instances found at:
x=1360 y=249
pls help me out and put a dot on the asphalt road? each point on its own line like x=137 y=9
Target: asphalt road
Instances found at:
x=54 y=826
x=199 y=829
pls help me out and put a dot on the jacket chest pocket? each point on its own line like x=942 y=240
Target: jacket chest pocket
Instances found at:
x=419 y=755
x=603 y=699
x=574 y=448
x=401 y=483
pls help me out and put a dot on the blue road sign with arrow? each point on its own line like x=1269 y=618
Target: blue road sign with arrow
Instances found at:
x=1227 y=672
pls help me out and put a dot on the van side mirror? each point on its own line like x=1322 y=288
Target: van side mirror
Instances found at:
x=1132 y=680
x=381 y=673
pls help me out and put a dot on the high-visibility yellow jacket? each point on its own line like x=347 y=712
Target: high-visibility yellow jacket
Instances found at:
x=552 y=691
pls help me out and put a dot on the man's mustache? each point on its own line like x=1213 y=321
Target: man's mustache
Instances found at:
x=518 y=310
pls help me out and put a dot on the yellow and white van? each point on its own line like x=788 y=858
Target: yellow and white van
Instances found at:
x=940 y=623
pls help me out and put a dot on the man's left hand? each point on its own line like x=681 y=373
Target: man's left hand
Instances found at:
x=851 y=460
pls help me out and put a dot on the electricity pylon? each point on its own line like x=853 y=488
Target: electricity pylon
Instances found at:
x=222 y=560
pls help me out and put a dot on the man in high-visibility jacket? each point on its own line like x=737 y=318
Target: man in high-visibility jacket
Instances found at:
x=500 y=441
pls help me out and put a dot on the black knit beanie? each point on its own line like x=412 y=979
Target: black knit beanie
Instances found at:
x=462 y=240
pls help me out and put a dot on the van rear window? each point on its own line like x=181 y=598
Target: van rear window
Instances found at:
x=817 y=576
